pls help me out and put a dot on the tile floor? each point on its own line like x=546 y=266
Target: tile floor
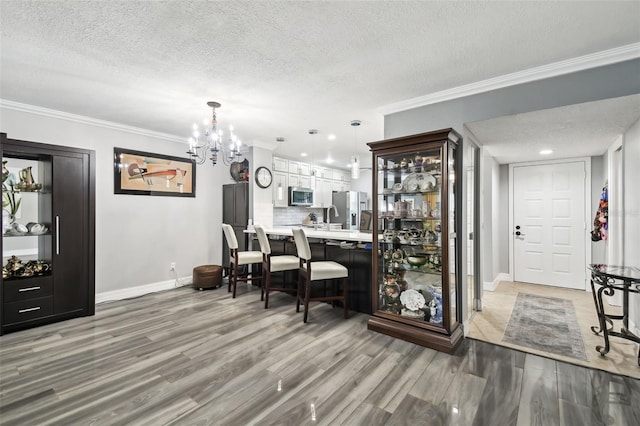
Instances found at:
x=489 y=325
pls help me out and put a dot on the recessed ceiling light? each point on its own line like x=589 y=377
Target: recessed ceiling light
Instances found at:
x=546 y=152
x=304 y=154
x=329 y=160
x=331 y=137
x=349 y=165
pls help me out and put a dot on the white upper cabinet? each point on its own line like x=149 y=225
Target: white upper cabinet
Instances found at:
x=341 y=175
x=322 y=194
x=280 y=164
x=305 y=169
x=299 y=181
x=304 y=181
x=292 y=173
x=299 y=168
x=337 y=186
x=294 y=181
x=294 y=167
x=323 y=172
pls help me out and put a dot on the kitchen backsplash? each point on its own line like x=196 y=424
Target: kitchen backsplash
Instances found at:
x=294 y=215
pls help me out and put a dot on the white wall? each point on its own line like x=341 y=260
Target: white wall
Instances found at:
x=260 y=199
x=489 y=224
x=495 y=213
x=631 y=153
x=502 y=217
x=136 y=236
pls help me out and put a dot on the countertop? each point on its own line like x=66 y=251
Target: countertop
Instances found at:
x=338 y=235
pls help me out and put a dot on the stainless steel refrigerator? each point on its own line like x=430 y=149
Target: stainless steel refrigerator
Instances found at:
x=350 y=205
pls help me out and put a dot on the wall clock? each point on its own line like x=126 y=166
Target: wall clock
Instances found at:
x=263 y=177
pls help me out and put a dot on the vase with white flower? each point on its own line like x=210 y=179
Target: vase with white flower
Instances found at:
x=10 y=206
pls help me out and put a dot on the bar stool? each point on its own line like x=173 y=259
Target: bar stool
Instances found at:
x=238 y=259
x=317 y=271
x=271 y=264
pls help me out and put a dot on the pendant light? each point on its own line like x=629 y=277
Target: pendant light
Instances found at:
x=280 y=190
x=355 y=160
x=313 y=132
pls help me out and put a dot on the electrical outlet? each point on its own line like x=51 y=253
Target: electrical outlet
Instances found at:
x=173 y=266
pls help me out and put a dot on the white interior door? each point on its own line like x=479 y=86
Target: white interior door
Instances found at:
x=549 y=224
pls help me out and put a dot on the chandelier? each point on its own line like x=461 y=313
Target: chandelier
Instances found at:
x=210 y=142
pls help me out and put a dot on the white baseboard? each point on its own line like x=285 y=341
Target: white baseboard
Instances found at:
x=127 y=293
x=491 y=286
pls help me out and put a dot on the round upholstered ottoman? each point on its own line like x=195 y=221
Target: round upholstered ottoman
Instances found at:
x=207 y=276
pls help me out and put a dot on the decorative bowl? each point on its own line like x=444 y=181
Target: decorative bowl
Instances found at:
x=417 y=260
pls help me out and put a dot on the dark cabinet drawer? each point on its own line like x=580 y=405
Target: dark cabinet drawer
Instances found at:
x=27 y=288
x=27 y=310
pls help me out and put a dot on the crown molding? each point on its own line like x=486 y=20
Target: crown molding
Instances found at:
x=46 y=112
x=594 y=60
x=261 y=144
x=52 y=113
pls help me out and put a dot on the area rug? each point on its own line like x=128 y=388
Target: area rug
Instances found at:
x=547 y=324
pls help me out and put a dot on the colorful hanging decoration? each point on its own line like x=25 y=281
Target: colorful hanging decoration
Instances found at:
x=601 y=221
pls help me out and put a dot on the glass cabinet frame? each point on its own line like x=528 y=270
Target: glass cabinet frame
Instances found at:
x=416 y=289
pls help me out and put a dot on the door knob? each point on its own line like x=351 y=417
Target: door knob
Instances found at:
x=518 y=233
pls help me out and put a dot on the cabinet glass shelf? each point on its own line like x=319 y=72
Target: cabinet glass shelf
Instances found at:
x=10 y=235
x=22 y=191
x=12 y=279
x=409 y=219
x=433 y=169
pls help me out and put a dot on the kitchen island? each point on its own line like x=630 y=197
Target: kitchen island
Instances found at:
x=338 y=245
x=337 y=235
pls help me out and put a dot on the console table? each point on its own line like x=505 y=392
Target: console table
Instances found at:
x=612 y=278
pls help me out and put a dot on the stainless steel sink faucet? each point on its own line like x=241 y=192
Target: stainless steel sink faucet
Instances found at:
x=327 y=217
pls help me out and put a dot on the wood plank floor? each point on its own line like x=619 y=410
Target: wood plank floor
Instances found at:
x=183 y=357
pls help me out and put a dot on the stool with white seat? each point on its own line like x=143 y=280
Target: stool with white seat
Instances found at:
x=271 y=264
x=311 y=272
x=238 y=259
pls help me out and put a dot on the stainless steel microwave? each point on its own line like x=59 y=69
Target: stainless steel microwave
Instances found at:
x=300 y=196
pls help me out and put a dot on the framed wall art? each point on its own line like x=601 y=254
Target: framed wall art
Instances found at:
x=144 y=173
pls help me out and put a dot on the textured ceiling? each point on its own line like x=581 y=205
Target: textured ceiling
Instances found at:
x=281 y=68
x=586 y=129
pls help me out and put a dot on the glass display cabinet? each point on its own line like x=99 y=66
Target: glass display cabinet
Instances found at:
x=416 y=294
x=48 y=199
